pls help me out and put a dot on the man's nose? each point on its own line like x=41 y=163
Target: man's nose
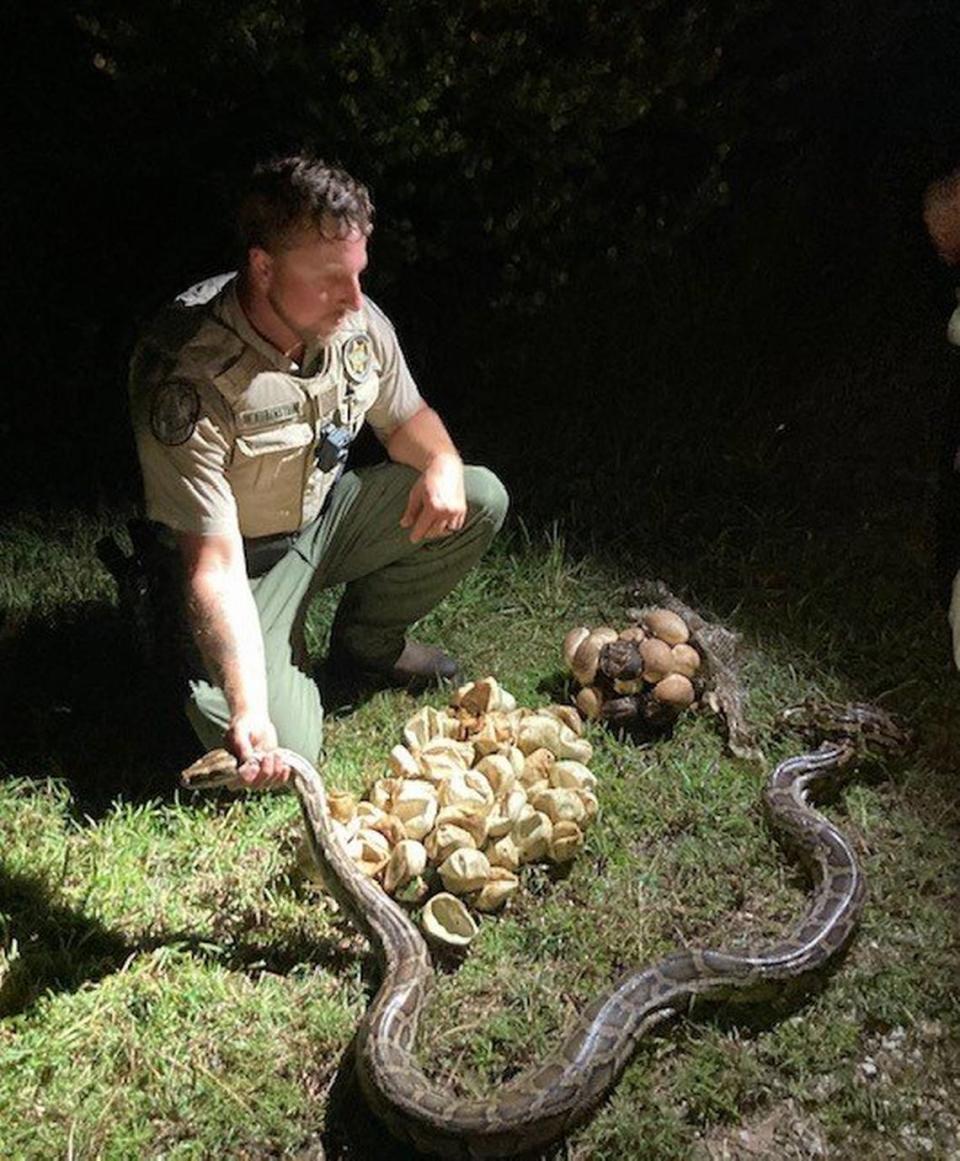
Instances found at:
x=354 y=296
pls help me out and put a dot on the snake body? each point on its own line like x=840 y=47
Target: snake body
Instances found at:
x=545 y=1102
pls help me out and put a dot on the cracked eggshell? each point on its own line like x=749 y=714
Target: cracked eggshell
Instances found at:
x=410 y=798
x=370 y=851
x=403 y=764
x=420 y=825
x=572 y=775
x=390 y=827
x=566 y=841
x=668 y=626
x=543 y=731
x=446 y=920
x=407 y=861
x=505 y=812
x=342 y=805
x=368 y=813
x=566 y=714
x=531 y=833
x=472 y=819
x=382 y=791
x=499 y=772
x=501 y=886
x=466 y=786
x=537 y=766
x=503 y=852
x=559 y=804
x=443 y=840
x=591 y=805
x=464 y=870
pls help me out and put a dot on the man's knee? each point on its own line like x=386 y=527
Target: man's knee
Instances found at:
x=486 y=495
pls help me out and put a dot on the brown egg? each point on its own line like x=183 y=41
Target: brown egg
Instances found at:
x=685 y=660
x=674 y=690
x=667 y=626
x=657 y=659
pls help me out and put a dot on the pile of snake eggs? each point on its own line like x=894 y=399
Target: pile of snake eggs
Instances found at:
x=475 y=791
x=646 y=672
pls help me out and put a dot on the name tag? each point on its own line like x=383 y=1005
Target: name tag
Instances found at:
x=263 y=415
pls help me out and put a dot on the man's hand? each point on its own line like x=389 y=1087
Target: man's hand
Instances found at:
x=437 y=504
x=248 y=733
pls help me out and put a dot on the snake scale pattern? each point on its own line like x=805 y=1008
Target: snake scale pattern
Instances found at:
x=547 y=1101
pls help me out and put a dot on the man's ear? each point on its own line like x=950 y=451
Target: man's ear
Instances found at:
x=260 y=265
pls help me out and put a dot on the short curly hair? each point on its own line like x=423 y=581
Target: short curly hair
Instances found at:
x=288 y=195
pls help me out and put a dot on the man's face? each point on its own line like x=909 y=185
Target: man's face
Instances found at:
x=312 y=284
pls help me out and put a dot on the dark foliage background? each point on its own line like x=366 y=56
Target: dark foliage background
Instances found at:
x=628 y=204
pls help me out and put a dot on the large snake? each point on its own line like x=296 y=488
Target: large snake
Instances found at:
x=545 y=1102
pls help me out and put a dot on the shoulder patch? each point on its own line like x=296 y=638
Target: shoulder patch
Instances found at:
x=174 y=412
x=357 y=354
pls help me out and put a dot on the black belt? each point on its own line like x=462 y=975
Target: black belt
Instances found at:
x=263 y=552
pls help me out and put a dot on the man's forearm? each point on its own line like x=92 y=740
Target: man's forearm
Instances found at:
x=227 y=631
x=420 y=440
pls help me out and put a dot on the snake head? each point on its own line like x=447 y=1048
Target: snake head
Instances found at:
x=867 y=727
x=215 y=768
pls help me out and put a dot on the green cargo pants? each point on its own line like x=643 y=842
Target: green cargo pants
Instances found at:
x=391 y=583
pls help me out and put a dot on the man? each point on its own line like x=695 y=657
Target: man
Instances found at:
x=244 y=397
x=941 y=215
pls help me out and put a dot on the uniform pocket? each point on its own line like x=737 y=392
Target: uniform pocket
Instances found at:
x=268 y=473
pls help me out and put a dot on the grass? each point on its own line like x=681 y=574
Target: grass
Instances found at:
x=169 y=987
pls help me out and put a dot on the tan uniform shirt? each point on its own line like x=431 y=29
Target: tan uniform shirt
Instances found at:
x=227 y=427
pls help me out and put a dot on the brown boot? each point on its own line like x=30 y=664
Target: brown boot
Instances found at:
x=417 y=668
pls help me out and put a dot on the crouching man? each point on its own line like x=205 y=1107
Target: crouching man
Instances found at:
x=245 y=395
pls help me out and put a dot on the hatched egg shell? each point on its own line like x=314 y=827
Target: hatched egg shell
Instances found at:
x=443 y=840
x=390 y=827
x=503 y=852
x=591 y=805
x=572 y=775
x=565 y=841
x=559 y=804
x=457 y=749
x=420 y=825
x=367 y=813
x=499 y=772
x=480 y=697
x=566 y=714
x=414 y=891
x=342 y=805
x=370 y=852
x=425 y=724
x=472 y=819
x=499 y=887
x=505 y=812
x=532 y=833
x=542 y=731
x=382 y=791
x=403 y=764
x=407 y=861
x=537 y=766
x=410 y=798
x=667 y=626
x=446 y=920
x=464 y=870
x=465 y=786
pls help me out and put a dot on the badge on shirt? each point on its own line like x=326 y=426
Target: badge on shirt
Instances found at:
x=357 y=356
x=174 y=412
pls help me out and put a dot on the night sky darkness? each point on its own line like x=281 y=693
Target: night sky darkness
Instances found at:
x=117 y=187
